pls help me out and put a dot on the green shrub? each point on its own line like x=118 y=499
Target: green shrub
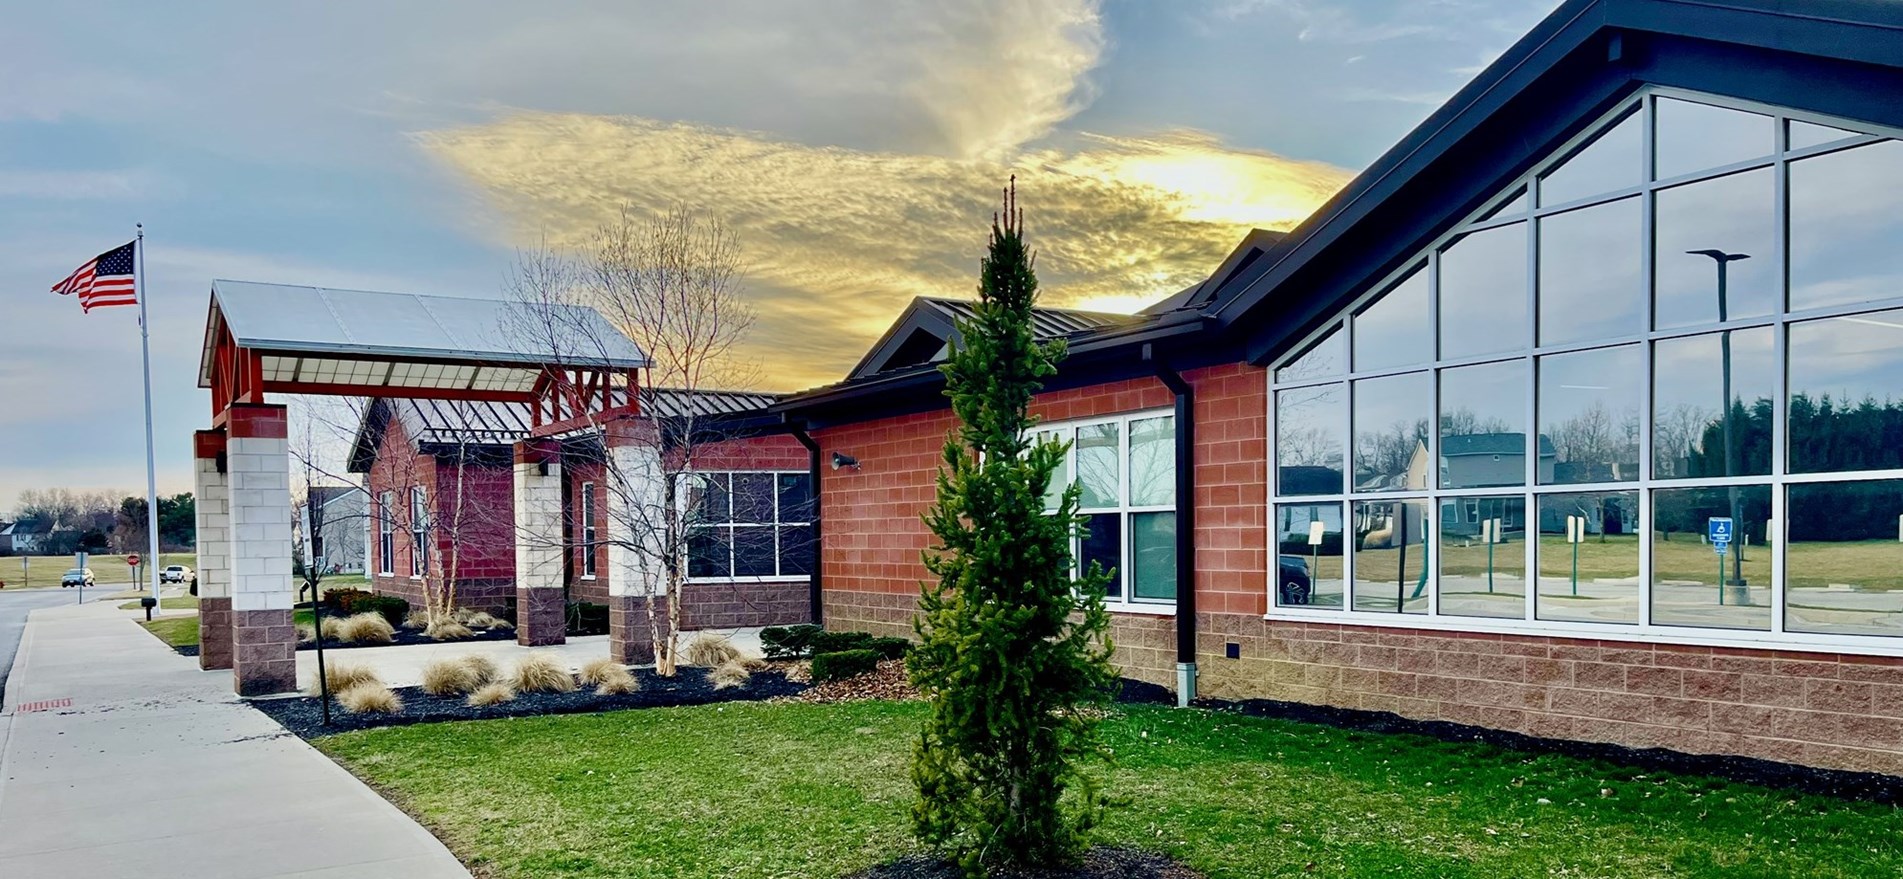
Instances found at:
x=788 y=642
x=834 y=642
x=587 y=618
x=842 y=664
x=890 y=648
x=350 y=602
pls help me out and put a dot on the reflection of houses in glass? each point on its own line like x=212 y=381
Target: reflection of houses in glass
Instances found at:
x=1308 y=479
x=1476 y=460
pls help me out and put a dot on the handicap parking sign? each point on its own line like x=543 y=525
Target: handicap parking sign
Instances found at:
x=1718 y=531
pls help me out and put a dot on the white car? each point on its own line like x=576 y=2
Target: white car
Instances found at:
x=177 y=574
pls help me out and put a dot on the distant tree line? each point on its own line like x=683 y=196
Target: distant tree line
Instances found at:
x=105 y=521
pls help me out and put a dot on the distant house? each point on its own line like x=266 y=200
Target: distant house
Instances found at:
x=6 y=537
x=31 y=536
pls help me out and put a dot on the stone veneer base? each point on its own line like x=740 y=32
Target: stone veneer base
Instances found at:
x=630 y=637
x=264 y=652
x=541 y=617
x=214 y=633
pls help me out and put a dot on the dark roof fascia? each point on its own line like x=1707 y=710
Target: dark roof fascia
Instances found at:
x=918 y=314
x=369 y=436
x=1092 y=358
x=1543 y=90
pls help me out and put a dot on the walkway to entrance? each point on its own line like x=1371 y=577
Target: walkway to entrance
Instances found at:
x=133 y=764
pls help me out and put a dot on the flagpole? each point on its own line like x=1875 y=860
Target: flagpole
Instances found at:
x=151 y=467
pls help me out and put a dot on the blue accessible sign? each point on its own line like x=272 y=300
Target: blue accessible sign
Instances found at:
x=1718 y=531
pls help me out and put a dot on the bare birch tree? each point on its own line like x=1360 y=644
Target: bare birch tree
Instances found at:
x=670 y=282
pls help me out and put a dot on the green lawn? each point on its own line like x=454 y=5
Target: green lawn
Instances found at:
x=176 y=602
x=35 y=571
x=801 y=790
x=174 y=631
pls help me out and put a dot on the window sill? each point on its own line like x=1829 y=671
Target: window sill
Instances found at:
x=588 y=576
x=794 y=578
x=1656 y=634
x=1137 y=608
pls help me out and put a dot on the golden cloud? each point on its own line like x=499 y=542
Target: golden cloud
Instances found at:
x=838 y=239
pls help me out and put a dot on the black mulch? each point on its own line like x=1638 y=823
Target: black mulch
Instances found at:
x=410 y=637
x=186 y=649
x=302 y=714
x=1843 y=784
x=1101 y=862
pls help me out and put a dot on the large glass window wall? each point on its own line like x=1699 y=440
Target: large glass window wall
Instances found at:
x=1655 y=385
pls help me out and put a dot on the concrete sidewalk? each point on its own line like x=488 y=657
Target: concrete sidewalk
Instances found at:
x=155 y=769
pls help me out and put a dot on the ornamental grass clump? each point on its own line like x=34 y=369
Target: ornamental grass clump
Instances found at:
x=595 y=670
x=370 y=699
x=341 y=676
x=730 y=674
x=537 y=673
x=711 y=651
x=450 y=677
x=608 y=677
x=448 y=630
x=1011 y=646
x=482 y=667
x=368 y=627
x=490 y=694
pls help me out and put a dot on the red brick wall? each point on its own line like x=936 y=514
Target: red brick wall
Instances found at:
x=1820 y=709
x=484 y=533
x=874 y=538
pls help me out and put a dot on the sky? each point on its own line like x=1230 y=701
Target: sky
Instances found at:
x=856 y=147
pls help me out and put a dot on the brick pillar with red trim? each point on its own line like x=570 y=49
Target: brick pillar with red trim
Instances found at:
x=258 y=473
x=636 y=506
x=541 y=609
x=212 y=493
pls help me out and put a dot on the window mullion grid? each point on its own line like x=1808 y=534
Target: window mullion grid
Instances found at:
x=1780 y=399
x=1348 y=504
x=1648 y=271
x=1430 y=517
x=1531 y=475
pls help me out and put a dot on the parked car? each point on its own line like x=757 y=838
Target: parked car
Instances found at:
x=1297 y=587
x=177 y=574
x=77 y=577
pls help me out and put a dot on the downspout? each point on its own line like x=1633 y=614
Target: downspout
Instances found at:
x=1185 y=422
x=814 y=595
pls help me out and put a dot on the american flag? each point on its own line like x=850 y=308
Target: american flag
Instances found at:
x=106 y=279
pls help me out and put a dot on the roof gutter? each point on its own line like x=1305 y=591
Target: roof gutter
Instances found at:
x=1185 y=423
x=815 y=594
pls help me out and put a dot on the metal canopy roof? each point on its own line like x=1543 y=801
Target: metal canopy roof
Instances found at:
x=371 y=340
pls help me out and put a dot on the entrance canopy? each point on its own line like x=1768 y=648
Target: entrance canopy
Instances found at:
x=293 y=339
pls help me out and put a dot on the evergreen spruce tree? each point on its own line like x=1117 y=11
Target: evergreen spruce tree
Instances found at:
x=1012 y=646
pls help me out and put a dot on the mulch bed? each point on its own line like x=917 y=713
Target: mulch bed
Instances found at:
x=690 y=686
x=411 y=637
x=1100 y=862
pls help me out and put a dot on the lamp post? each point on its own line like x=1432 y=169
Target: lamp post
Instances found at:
x=1724 y=261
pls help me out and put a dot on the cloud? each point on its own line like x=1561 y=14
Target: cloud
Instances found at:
x=839 y=239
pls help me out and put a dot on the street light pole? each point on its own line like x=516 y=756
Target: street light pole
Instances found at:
x=1724 y=261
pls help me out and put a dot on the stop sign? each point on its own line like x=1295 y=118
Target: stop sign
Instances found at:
x=133 y=559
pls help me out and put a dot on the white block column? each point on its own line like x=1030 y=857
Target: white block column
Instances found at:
x=541 y=611
x=637 y=521
x=211 y=493
x=258 y=470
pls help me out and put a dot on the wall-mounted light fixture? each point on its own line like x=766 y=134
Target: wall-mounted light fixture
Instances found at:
x=841 y=459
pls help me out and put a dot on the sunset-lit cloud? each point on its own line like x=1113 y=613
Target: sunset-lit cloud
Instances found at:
x=838 y=239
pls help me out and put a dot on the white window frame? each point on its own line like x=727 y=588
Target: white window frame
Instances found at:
x=1643 y=102
x=419 y=532
x=1125 y=602
x=775 y=525
x=588 y=533
x=386 y=534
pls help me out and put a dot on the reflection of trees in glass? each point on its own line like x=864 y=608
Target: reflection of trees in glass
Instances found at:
x=1844 y=511
x=1465 y=422
x=1299 y=440
x=1600 y=440
x=1689 y=441
x=1829 y=434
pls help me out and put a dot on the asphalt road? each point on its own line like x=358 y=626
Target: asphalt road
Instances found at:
x=16 y=603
